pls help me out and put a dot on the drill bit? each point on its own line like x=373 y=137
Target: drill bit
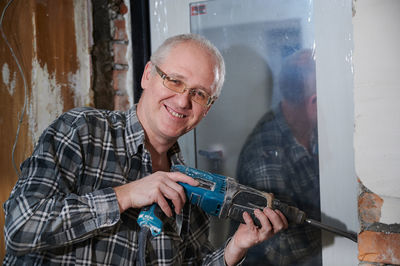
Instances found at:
x=351 y=236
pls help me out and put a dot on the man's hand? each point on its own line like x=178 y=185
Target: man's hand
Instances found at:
x=249 y=234
x=155 y=188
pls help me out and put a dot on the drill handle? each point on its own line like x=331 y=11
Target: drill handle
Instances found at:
x=292 y=214
x=236 y=213
x=240 y=198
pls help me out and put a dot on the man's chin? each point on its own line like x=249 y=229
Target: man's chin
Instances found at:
x=173 y=136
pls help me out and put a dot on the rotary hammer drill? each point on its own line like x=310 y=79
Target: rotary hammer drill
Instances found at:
x=223 y=197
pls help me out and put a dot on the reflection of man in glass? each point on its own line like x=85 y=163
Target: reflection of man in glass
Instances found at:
x=280 y=156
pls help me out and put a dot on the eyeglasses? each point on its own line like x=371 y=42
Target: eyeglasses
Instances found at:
x=197 y=95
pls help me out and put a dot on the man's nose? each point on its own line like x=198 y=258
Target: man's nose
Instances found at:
x=184 y=98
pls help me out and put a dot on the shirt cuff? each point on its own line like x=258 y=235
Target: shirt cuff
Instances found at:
x=106 y=207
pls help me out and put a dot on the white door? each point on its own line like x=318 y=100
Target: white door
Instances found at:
x=254 y=36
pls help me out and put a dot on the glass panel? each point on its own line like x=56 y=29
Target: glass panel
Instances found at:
x=263 y=128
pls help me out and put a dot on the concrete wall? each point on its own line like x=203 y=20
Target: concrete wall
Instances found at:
x=377 y=128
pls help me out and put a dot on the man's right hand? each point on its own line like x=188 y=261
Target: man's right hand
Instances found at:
x=155 y=188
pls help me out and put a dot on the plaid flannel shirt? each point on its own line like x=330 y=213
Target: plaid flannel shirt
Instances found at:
x=63 y=209
x=273 y=161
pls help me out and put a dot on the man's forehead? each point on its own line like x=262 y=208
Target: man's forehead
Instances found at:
x=189 y=60
x=188 y=56
x=189 y=48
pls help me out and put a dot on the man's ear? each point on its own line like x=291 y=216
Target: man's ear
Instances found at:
x=312 y=106
x=313 y=100
x=146 y=75
x=206 y=110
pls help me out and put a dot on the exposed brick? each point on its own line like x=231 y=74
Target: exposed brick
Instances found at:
x=123 y=9
x=119 y=80
x=120 y=53
x=369 y=206
x=370 y=264
x=379 y=247
x=120 y=33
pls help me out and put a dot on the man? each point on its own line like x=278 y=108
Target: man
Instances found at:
x=79 y=194
x=280 y=156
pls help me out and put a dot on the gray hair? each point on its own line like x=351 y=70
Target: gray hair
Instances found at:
x=295 y=73
x=162 y=52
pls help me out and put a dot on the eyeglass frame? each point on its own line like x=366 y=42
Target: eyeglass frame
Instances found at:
x=163 y=75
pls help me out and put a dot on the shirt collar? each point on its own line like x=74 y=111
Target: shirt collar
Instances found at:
x=135 y=137
x=134 y=132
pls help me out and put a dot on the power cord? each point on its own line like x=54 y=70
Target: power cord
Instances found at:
x=144 y=234
x=25 y=86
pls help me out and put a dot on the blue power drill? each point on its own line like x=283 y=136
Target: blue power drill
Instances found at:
x=220 y=196
x=223 y=197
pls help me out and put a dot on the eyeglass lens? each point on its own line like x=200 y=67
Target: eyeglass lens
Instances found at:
x=199 y=96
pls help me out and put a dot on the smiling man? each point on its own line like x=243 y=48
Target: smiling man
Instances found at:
x=79 y=194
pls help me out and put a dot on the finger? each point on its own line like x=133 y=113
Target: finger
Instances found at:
x=178 y=198
x=170 y=189
x=275 y=219
x=283 y=217
x=180 y=177
x=162 y=202
x=176 y=188
x=262 y=217
x=248 y=220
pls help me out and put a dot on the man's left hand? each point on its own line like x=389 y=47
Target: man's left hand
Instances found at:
x=248 y=235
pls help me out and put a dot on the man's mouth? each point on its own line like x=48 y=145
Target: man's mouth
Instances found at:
x=175 y=114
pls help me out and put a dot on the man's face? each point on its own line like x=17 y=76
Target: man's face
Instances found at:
x=168 y=114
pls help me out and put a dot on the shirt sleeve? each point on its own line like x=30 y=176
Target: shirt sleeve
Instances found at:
x=45 y=209
x=218 y=257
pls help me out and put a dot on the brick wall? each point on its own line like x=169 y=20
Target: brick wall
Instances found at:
x=378 y=243
x=110 y=55
x=120 y=46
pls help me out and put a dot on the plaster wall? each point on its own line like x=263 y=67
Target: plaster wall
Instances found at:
x=376 y=96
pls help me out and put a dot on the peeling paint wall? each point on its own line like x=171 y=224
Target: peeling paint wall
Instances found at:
x=9 y=79
x=46 y=101
x=377 y=128
x=80 y=81
x=65 y=84
x=52 y=42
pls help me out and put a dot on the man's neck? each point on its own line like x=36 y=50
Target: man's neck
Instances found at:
x=159 y=159
x=156 y=145
x=296 y=118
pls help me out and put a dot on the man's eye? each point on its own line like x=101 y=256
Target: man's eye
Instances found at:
x=201 y=94
x=175 y=82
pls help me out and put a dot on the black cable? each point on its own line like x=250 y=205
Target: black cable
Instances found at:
x=142 y=242
x=23 y=79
